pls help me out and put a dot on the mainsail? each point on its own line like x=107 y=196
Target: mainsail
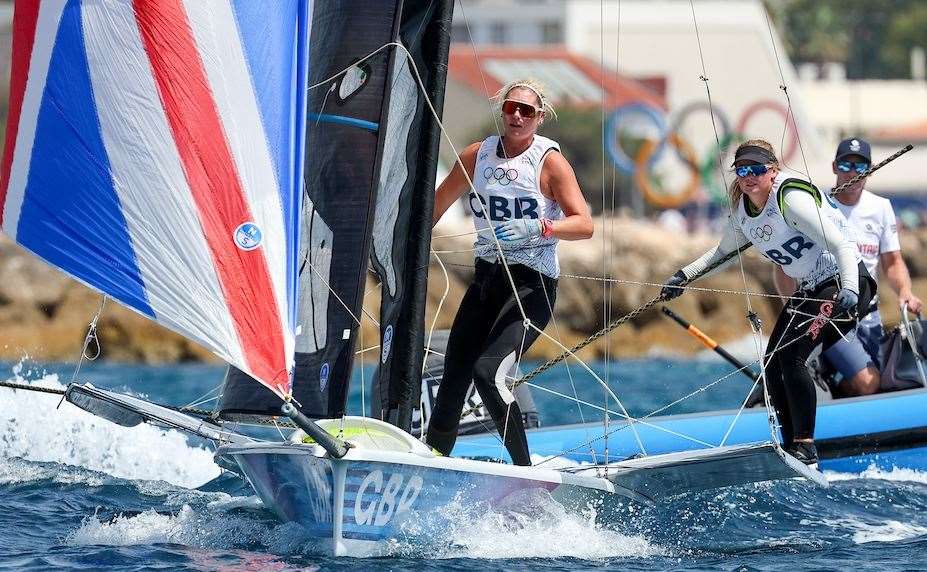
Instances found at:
x=152 y=153
x=369 y=177
x=405 y=200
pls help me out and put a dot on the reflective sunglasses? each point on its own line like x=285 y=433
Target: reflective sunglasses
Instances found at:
x=526 y=110
x=846 y=166
x=747 y=170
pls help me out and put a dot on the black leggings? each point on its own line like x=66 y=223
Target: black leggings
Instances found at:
x=807 y=320
x=487 y=338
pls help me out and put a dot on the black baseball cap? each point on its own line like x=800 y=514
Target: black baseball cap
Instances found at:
x=854 y=146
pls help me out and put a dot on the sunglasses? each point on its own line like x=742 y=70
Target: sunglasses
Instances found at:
x=847 y=166
x=509 y=107
x=747 y=170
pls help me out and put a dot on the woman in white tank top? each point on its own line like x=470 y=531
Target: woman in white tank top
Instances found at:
x=524 y=198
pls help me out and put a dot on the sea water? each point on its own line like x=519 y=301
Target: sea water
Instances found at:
x=78 y=492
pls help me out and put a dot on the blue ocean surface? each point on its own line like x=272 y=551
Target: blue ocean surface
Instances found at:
x=79 y=493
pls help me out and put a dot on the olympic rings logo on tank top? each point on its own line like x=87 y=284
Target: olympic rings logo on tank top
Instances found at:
x=762 y=234
x=504 y=177
x=639 y=162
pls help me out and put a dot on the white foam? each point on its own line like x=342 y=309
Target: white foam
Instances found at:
x=14 y=471
x=32 y=428
x=536 y=526
x=148 y=527
x=556 y=462
x=897 y=474
x=884 y=531
x=198 y=527
x=889 y=531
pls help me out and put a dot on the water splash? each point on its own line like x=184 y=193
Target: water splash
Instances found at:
x=889 y=531
x=214 y=526
x=531 y=524
x=873 y=472
x=33 y=429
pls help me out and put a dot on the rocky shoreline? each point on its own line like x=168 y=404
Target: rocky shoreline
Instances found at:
x=44 y=315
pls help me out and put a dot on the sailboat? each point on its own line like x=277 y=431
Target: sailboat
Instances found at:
x=227 y=168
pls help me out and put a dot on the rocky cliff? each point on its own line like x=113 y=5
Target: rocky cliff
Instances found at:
x=45 y=315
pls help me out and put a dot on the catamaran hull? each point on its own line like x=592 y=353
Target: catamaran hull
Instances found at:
x=362 y=504
x=886 y=431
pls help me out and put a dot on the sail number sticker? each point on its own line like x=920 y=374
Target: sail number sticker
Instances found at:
x=324 y=372
x=387 y=343
x=386 y=497
x=248 y=236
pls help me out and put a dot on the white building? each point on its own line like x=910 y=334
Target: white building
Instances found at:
x=744 y=61
x=509 y=22
x=736 y=48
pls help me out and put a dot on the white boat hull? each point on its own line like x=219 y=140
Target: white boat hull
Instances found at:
x=361 y=504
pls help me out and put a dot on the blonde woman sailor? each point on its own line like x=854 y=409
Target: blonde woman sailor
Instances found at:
x=526 y=199
x=794 y=225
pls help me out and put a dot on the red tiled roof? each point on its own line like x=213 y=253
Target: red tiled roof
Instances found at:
x=465 y=63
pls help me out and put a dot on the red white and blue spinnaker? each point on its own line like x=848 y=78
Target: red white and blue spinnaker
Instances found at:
x=154 y=152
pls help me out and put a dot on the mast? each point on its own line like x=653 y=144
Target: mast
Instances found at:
x=348 y=116
x=402 y=232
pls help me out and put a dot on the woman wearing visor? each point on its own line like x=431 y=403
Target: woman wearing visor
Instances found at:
x=794 y=225
x=525 y=198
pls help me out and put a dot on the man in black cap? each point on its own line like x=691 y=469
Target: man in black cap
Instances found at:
x=872 y=219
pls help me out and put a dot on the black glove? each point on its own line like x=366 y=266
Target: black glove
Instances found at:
x=847 y=300
x=670 y=287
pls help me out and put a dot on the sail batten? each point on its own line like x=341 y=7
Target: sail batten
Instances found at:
x=144 y=167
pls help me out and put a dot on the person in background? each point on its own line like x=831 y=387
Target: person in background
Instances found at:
x=791 y=223
x=525 y=198
x=872 y=219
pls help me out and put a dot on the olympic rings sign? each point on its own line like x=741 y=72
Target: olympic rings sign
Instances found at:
x=702 y=172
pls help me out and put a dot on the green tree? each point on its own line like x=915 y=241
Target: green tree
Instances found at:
x=813 y=30
x=873 y=38
x=905 y=30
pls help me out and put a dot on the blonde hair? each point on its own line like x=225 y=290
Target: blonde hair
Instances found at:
x=529 y=84
x=734 y=191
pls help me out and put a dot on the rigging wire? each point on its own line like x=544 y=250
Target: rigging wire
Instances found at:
x=498 y=246
x=90 y=337
x=492 y=112
x=447 y=137
x=756 y=327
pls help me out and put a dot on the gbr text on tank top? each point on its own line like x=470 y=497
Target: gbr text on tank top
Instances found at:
x=808 y=262
x=509 y=188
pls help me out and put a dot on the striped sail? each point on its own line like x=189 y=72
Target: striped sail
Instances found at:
x=154 y=152
x=369 y=187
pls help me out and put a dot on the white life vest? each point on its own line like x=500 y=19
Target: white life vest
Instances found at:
x=508 y=189
x=801 y=258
